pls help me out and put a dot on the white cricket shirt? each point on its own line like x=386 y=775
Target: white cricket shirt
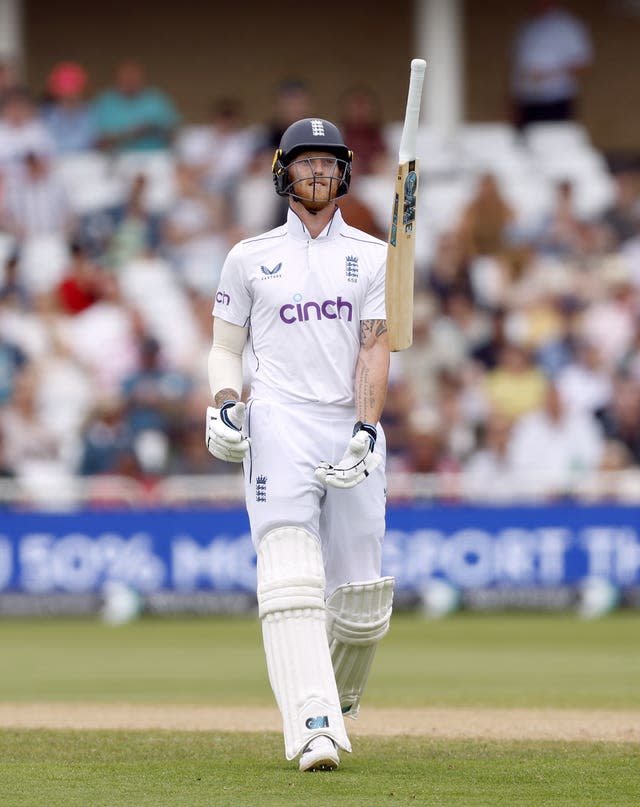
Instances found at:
x=303 y=299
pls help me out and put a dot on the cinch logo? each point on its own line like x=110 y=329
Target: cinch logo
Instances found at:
x=321 y=722
x=223 y=297
x=303 y=312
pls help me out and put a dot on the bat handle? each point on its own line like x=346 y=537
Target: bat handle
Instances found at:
x=408 y=140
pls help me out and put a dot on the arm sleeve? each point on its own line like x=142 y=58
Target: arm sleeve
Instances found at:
x=225 y=356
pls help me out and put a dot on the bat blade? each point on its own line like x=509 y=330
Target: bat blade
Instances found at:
x=401 y=243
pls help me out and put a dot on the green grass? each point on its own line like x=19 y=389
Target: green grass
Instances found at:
x=469 y=660
x=553 y=660
x=105 y=769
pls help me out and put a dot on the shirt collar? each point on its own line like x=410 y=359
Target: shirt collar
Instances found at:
x=297 y=229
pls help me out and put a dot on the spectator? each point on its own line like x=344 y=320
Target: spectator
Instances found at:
x=620 y=418
x=449 y=268
x=427 y=451
x=29 y=443
x=419 y=365
x=610 y=317
x=456 y=416
x=80 y=286
x=131 y=116
x=28 y=324
x=36 y=202
x=13 y=290
x=516 y=385
x=255 y=207
x=12 y=360
x=622 y=216
x=106 y=442
x=555 y=447
x=559 y=351
x=103 y=337
x=196 y=232
x=471 y=323
x=551 y=52
x=64 y=395
x=398 y=404
x=486 y=352
x=293 y=101
x=220 y=151
x=190 y=455
x=561 y=234
x=67 y=114
x=488 y=473
x=484 y=220
x=361 y=127
x=22 y=132
x=136 y=230
x=154 y=393
x=585 y=383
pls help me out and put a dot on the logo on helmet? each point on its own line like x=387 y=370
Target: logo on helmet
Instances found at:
x=317 y=128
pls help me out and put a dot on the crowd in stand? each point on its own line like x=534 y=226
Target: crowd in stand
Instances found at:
x=116 y=215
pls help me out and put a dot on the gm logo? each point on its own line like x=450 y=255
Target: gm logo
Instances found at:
x=321 y=722
x=223 y=297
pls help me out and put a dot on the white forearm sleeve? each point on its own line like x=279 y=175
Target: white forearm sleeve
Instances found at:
x=225 y=356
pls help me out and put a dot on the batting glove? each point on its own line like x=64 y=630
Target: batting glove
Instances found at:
x=223 y=434
x=358 y=462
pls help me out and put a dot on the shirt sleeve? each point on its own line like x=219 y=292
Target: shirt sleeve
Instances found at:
x=374 y=303
x=233 y=298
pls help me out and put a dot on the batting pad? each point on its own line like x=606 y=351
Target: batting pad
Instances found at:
x=358 y=616
x=291 y=605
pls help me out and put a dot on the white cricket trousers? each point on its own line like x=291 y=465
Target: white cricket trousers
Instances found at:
x=287 y=443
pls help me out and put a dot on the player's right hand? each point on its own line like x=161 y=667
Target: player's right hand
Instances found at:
x=223 y=432
x=358 y=462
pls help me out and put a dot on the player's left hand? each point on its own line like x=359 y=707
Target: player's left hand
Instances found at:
x=358 y=462
x=223 y=433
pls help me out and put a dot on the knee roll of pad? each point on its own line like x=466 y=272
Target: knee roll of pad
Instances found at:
x=290 y=571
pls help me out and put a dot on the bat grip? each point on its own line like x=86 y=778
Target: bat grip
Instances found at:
x=407 y=150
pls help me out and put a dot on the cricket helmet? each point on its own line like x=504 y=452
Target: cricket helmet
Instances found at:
x=310 y=134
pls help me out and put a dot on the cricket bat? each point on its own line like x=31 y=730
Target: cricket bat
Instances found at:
x=401 y=245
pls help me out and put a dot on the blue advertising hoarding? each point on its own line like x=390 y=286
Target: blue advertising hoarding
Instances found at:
x=211 y=550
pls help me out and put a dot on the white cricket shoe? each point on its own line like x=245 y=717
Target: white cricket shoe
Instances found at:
x=320 y=754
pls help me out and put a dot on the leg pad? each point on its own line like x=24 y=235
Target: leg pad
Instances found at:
x=358 y=616
x=292 y=609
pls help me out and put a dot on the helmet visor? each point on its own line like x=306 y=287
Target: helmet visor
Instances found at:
x=316 y=179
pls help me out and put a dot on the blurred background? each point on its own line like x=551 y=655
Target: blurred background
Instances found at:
x=135 y=150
